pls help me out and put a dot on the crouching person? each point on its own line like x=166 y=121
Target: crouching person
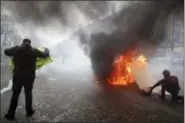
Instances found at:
x=170 y=84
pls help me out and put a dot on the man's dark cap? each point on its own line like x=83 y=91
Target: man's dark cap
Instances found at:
x=166 y=72
x=27 y=41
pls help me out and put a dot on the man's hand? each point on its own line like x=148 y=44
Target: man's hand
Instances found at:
x=147 y=91
x=42 y=54
x=150 y=90
x=47 y=51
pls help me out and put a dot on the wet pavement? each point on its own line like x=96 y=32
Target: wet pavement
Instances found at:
x=75 y=97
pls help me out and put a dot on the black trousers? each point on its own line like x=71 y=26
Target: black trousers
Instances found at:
x=175 y=96
x=18 y=83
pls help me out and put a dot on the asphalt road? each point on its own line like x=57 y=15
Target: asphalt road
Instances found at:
x=75 y=96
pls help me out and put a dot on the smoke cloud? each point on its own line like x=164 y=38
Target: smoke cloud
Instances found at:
x=43 y=12
x=114 y=27
x=55 y=21
x=140 y=25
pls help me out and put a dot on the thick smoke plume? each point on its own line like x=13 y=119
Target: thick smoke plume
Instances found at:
x=141 y=25
x=138 y=24
x=54 y=21
x=42 y=12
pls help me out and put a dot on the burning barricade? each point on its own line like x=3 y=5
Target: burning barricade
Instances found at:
x=129 y=68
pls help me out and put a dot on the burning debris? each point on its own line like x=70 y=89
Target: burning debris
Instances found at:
x=131 y=67
x=122 y=68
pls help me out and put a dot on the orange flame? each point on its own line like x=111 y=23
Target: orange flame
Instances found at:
x=122 y=73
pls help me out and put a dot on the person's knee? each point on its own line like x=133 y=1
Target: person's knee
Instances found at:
x=16 y=93
x=28 y=87
x=15 y=97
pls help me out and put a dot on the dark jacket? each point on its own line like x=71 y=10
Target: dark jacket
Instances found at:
x=24 y=59
x=169 y=84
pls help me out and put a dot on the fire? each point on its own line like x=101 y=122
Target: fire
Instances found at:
x=122 y=73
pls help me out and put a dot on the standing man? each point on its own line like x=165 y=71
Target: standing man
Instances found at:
x=24 y=60
x=170 y=84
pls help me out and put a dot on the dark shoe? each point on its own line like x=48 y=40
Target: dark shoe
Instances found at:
x=182 y=100
x=30 y=113
x=9 y=117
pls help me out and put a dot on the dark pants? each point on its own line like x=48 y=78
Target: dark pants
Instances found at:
x=18 y=83
x=175 y=96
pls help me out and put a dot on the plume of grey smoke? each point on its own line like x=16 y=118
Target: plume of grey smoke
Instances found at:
x=53 y=20
x=42 y=12
x=38 y=12
x=141 y=24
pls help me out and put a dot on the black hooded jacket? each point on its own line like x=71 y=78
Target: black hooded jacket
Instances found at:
x=24 y=59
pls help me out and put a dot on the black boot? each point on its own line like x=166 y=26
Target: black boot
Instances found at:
x=9 y=116
x=30 y=113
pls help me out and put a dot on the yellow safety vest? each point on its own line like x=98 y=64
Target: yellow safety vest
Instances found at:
x=39 y=63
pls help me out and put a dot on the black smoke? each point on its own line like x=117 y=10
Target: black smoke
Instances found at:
x=140 y=24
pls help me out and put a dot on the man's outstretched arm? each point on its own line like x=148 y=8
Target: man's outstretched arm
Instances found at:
x=42 y=54
x=157 y=84
x=10 y=51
